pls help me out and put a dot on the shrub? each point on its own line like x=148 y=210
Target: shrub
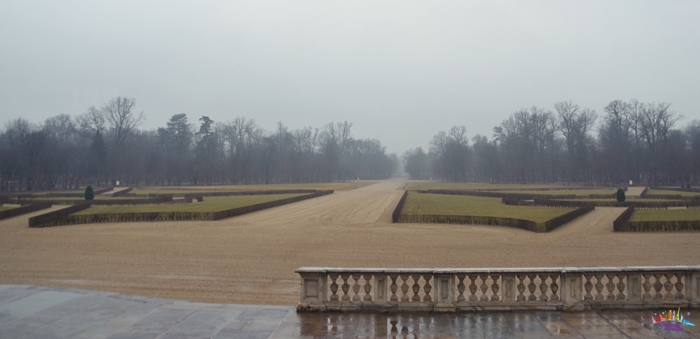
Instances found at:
x=620 y=195
x=89 y=193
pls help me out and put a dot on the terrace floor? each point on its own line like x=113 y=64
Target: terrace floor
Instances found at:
x=47 y=312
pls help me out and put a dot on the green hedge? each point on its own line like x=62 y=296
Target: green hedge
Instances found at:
x=664 y=225
x=122 y=192
x=66 y=219
x=620 y=224
x=523 y=196
x=23 y=210
x=563 y=219
x=397 y=211
x=47 y=219
x=613 y=203
x=499 y=221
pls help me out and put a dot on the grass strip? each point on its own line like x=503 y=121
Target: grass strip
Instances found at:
x=666 y=215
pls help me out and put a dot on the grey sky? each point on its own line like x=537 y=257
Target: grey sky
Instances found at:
x=400 y=71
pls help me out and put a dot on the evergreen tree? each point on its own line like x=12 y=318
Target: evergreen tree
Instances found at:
x=89 y=193
x=620 y=195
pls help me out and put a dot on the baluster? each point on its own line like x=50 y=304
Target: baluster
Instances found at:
x=416 y=288
x=495 y=288
x=345 y=287
x=531 y=287
x=599 y=287
x=657 y=287
x=394 y=287
x=404 y=288
x=543 y=287
x=521 y=288
x=461 y=287
x=554 y=287
x=668 y=286
x=647 y=287
x=610 y=287
x=368 y=287
x=679 y=287
x=427 y=287
x=472 y=288
x=588 y=286
x=621 y=287
x=484 y=287
x=334 y=287
x=356 y=287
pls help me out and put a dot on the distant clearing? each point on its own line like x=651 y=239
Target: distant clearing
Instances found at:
x=210 y=204
x=666 y=215
x=429 y=204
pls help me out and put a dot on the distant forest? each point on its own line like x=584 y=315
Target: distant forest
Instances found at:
x=105 y=145
x=632 y=141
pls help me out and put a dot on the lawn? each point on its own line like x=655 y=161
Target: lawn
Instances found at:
x=663 y=215
x=181 y=190
x=210 y=204
x=5 y=208
x=442 y=204
x=664 y=192
x=468 y=186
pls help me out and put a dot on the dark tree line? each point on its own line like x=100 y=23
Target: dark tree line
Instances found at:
x=631 y=141
x=105 y=145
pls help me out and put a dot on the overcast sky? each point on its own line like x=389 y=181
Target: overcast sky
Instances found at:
x=400 y=71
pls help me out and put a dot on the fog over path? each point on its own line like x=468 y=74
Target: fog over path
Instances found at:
x=252 y=258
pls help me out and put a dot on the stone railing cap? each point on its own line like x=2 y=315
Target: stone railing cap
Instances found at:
x=492 y=270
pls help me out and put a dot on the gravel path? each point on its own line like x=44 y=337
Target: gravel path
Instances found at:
x=251 y=259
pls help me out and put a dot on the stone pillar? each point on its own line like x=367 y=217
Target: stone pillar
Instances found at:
x=571 y=291
x=508 y=288
x=693 y=288
x=313 y=291
x=634 y=288
x=380 y=288
x=444 y=292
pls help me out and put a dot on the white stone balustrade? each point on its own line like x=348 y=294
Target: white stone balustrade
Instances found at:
x=453 y=290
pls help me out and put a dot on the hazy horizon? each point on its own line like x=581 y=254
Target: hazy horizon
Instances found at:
x=399 y=71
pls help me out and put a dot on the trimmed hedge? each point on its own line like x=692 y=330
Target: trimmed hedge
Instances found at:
x=397 y=211
x=664 y=225
x=644 y=192
x=122 y=192
x=67 y=219
x=102 y=202
x=498 y=221
x=47 y=219
x=23 y=210
x=563 y=219
x=613 y=203
x=620 y=224
x=523 y=196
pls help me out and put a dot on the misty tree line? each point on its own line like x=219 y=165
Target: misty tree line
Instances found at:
x=632 y=141
x=104 y=145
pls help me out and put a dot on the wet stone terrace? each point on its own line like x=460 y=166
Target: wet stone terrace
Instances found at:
x=45 y=312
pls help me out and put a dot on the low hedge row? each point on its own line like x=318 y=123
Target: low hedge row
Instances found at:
x=122 y=192
x=100 y=202
x=523 y=196
x=538 y=227
x=644 y=192
x=47 y=219
x=67 y=219
x=397 y=211
x=613 y=203
x=659 y=226
x=621 y=223
x=563 y=219
x=23 y=210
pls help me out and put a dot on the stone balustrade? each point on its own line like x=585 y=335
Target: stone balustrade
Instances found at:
x=454 y=290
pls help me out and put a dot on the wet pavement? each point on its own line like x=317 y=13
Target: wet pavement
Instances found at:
x=46 y=312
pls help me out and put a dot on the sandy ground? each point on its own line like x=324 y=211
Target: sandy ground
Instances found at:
x=251 y=259
x=634 y=191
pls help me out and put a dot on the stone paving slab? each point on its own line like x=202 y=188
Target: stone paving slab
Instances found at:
x=47 y=312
